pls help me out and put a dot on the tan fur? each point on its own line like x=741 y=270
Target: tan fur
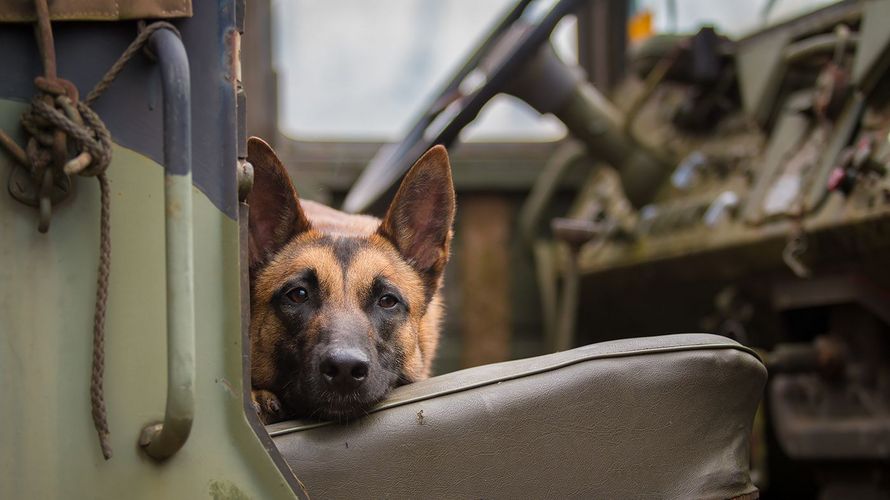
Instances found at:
x=419 y=338
x=344 y=255
x=334 y=222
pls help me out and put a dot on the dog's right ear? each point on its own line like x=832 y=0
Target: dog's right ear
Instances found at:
x=275 y=214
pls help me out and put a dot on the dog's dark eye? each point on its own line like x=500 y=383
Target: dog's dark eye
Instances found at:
x=387 y=301
x=297 y=295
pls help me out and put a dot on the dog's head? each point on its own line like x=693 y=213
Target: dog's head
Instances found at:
x=340 y=318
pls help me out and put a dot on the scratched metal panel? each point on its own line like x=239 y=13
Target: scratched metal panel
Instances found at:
x=131 y=108
x=48 y=447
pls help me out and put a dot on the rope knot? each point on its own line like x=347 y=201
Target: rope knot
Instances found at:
x=85 y=148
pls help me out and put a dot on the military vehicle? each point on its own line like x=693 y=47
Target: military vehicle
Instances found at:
x=733 y=184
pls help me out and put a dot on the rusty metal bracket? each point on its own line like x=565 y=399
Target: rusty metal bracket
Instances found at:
x=23 y=190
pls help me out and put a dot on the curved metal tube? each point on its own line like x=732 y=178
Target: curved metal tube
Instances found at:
x=162 y=440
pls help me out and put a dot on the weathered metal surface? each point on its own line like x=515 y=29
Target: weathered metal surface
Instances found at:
x=873 y=56
x=850 y=429
x=761 y=69
x=164 y=439
x=836 y=410
x=45 y=357
x=132 y=108
x=786 y=138
x=786 y=190
x=47 y=444
x=830 y=289
x=760 y=55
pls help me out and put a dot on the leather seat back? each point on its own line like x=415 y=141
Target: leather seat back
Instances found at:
x=659 y=417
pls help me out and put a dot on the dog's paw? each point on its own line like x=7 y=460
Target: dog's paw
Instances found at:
x=267 y=406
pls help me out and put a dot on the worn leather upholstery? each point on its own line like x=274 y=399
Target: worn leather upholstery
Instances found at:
x=656 y=417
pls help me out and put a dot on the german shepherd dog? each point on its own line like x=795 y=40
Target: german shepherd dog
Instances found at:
x=343 y=307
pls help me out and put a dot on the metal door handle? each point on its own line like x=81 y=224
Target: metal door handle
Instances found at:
x=163 y=439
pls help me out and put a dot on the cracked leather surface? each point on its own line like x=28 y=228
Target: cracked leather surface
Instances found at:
x=655 y=417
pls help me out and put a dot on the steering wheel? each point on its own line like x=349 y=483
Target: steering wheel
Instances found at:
x=509 y=45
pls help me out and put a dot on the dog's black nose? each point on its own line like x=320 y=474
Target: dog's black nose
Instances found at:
x=345 y=369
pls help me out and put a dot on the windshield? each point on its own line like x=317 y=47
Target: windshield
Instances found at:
x=362 y=70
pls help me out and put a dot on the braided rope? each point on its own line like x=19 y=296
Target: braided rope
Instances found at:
x=97 y=396
x=135 y=46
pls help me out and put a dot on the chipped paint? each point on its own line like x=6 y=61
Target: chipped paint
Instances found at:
x=226 y=490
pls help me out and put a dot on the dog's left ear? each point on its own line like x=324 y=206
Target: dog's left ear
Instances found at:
x=418 y=221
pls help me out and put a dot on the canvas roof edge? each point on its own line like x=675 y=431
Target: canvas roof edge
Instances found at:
x=17 y=11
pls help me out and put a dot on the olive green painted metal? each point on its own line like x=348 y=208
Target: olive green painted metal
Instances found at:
x=841 y=135
x=761 y=68
x=791 y=127
x=162 y=440
x=774 y=154
x=873 y=57
x=48 y=445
